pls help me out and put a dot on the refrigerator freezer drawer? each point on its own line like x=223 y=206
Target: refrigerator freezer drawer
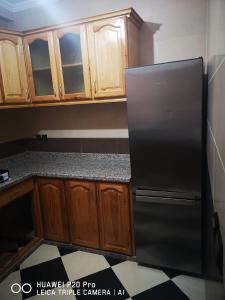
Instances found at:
x=168 y=235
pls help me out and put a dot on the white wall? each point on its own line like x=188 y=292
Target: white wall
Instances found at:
x=216 y=106
x=179 y=33
x=6 y=17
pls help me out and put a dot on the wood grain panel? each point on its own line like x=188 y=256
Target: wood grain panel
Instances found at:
x=114 y=217
x=53 y=209
x=108 y=57
x=133 y=44
x=13 y=70
x=82 y=210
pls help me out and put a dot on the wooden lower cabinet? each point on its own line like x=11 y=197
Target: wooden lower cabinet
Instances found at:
x=86 y=213
x=114 y=217
x=53 y=209
x=82 y=213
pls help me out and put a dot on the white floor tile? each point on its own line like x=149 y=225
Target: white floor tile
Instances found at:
x=43 y=253
x=193 y=287
x=80 y=264
x=137 y=278
x=57 y=294
x=5 y=287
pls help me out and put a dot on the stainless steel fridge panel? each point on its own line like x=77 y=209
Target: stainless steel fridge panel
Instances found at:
x=165 y=117
x=165 y=126
x=169 y=236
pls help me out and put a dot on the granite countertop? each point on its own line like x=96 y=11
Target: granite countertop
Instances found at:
x=92 y=166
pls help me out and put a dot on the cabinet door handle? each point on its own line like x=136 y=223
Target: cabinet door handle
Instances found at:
x=94 y=86
x=60 y=90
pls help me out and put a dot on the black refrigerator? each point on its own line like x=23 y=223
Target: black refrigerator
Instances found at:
x=166 y=136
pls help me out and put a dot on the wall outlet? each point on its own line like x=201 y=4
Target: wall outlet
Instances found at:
x=38 y=137
x=44 y=137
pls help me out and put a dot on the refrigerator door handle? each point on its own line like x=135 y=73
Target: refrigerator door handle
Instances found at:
x=167 y=194
x=170 y=201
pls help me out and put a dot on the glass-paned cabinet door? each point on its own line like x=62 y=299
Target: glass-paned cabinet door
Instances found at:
x=73 y=65
x=42 y=67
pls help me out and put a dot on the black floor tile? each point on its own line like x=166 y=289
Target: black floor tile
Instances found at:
x=113 y=260
x=165 y=291
x=103 y=280
x=66 y=250
x=52 y=270
x=171 y=273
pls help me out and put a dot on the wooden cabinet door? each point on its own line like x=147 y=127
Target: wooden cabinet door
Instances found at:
x=108 y=59
x=114 y=217
x=13 y=69
x=82 y=209
x=53 y=209
x=73 y=62
x=42 y=68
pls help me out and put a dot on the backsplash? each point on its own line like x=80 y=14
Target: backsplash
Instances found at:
x=87 y=145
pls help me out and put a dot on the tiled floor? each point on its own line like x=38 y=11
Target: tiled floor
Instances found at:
x=121 y=279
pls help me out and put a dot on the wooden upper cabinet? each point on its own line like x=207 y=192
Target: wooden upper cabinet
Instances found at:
x=42 y=67
x=53 y=209
x=13 y=70
x=114 y=217
x=82 y=212
x=80 y=60
x=73 y=62
x=108 y=57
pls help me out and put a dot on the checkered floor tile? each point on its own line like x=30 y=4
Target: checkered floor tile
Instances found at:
x=93 y=276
